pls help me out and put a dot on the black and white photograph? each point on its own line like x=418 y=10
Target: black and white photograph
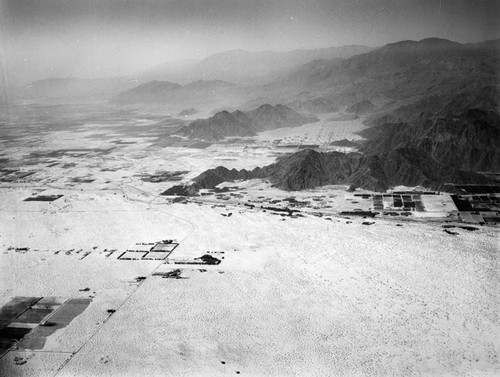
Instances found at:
x=249 y=187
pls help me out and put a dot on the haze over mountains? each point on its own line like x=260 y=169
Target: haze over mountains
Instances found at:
x=165 y=92
x=432 y=107
x=397 y=73
x=246 y=67
x=77 y=88
x=235 y=66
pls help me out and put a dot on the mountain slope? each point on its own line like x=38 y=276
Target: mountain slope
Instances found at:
x=403 y=71
x=470 y=141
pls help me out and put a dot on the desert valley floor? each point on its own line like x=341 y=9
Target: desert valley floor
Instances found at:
x=311 y=293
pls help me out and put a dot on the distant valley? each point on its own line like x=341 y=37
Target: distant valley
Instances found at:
x=249 y=188
x=431 y=108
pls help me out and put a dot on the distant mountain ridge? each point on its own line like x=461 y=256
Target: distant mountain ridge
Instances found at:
x=168 y=92
x=248 y=67
x=238 y=123
x=72 y=87
x=402 y=71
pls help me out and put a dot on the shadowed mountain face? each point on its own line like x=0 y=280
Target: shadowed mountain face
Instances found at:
x=470 y=141
x=308 y=169
x=238 y=123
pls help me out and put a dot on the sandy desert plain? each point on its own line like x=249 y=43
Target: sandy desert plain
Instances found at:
x=318 y=294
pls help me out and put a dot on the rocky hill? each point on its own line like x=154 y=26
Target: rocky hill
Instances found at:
x=238 y=123
x=308 y=169
x=222 y=124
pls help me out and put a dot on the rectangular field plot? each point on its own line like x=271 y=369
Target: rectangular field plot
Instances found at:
x=141 y=247
x=49 y=303
x=43 y=198
x=157 y=255
x=165 y=247
x=33 y=315
x=15 y=308
x=132 y=255
x=468 y=217
x=24 y=320
x=398 y=202
x=9 y=335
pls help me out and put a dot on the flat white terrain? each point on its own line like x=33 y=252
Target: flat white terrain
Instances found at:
x=301 y=296
x=319 y=293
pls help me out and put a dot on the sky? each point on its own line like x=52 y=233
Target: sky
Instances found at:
x=91 y=38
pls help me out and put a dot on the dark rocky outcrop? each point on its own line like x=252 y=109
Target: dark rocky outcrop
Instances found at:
x=212 y=177
x=308 y=169
x=346 y=143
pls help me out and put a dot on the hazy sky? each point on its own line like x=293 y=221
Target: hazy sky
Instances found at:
x=90 y=38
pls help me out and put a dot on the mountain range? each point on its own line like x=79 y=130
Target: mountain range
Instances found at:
x=247 y=67
x=436 y=119
x=238 y=66
x=432 y=108
x=396 y=74
x=388 y=77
